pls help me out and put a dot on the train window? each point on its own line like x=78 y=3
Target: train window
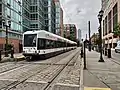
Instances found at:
x=47 y=44
x=41 y=43
x=50 y=44
x=30 y=40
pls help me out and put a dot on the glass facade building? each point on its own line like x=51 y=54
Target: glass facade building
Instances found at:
x=39 y=15
x=26 y=15
x=11 y=10
x=58 y=18
x=37 y=20
x=51 y=16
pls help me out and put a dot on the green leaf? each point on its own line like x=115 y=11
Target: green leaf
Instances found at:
x=116 y=30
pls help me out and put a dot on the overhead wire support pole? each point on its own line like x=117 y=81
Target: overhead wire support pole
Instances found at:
x=85 y=55
x=89 y=36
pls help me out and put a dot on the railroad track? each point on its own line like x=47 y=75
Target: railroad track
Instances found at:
x=39 y=75
x=49 y=61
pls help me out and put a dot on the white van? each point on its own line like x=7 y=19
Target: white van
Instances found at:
x=117 y=48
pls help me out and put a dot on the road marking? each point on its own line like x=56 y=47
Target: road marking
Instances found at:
x=95 y=88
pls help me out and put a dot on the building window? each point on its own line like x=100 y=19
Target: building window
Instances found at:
x=33 y=8
x=0 y=8
x=106 y=25
x=115 y=16
x=34 y=25
x=33 y=1
x=103 y=27
x=34 y=16
x=109 y=22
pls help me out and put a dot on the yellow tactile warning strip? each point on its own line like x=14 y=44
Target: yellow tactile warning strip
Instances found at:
x=20 y=57
x=95 y=88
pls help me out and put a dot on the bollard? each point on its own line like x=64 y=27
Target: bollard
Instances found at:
x=81 y=52
x=12 y=52
x=84 y=55
x=109 y=53
x=105 y=51
x=0 y=56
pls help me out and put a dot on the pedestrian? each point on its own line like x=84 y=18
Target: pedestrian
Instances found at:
x=12 y=50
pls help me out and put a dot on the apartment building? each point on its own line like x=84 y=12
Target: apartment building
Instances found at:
x=70 y=31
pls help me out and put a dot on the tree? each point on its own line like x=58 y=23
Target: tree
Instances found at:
x=71 y=37
x=1 y=30
x=116 y=30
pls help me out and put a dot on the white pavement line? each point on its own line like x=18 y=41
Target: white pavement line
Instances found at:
x=81 y=75
x=70 y=85
x=32 y=81
x=2 y=79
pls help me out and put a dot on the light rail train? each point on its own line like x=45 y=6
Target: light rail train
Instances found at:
x=45 y=44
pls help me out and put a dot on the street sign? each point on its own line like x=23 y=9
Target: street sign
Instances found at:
x=95 y=88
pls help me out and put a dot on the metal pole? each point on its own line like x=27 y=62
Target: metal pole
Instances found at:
x=100 y=37
x=0 y=56
x=86 y=36
x=85 y=55
x=94 y=40
x=6 y=45
x=89 y=37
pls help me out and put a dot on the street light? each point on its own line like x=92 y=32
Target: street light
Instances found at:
x=6 y=23
x=100 y=15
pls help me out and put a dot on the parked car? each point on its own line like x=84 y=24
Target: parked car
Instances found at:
x=117 y=48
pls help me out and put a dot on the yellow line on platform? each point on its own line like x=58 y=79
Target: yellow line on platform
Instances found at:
x=95 y=88
x=21 y=57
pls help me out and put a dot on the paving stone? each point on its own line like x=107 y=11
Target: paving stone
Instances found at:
x=115 y=86
x=65 y=87
x=30 y=86
x=7 y=67
x=47 y=75
x=22 y=72
x=69 y=79
x=4 y=83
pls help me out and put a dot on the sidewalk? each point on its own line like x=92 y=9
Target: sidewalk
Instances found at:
x=101 y=74
x=17 y=57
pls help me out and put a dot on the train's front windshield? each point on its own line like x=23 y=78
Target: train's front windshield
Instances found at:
x=30 y=40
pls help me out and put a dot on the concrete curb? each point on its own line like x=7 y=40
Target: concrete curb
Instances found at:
x=81 y=75
x=6 y=59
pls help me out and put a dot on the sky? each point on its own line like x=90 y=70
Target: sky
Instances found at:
x=79 y=12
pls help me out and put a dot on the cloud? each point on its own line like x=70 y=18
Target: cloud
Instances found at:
x=80 y=12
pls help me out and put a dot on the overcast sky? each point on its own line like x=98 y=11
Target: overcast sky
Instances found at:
x=80 y=12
